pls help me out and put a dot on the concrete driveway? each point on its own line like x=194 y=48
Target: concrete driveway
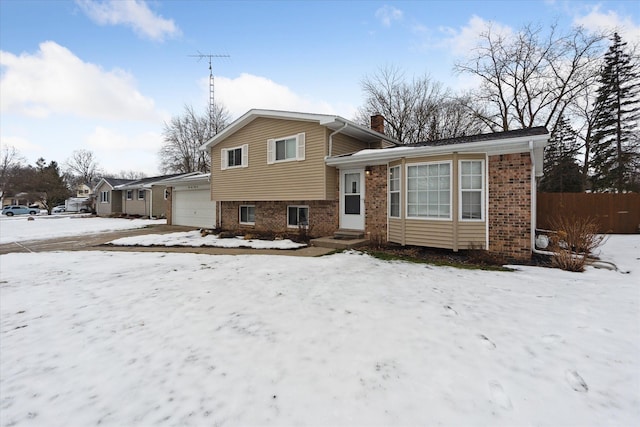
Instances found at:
x=97 y=242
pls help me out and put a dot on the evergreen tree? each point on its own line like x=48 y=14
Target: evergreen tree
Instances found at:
x=615 y=145
x=561 y=170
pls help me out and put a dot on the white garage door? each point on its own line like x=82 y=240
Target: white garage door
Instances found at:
x=193 y=208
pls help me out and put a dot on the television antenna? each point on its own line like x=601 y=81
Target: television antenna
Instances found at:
x=212 y=104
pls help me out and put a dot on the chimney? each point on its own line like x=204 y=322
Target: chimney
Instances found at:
x=377 y=123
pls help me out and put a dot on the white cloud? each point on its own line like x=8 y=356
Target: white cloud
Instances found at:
x=247 y=91
x=133 y=13
x=19 y=143
x=132 y=151
x=609 y=21
x=462 y=41
x=387 y=14
x=55 y=81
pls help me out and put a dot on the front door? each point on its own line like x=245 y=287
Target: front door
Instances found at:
x=352 y=199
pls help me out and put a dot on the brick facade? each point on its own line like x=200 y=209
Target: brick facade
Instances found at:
x=510 y=205
x=271 y=216
x=376 y=203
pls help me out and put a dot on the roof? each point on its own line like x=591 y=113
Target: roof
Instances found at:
x=187 y=178
x=509 y=142
x=333 y=122
x=494 y=136
x=112 y=182
x=146 y=182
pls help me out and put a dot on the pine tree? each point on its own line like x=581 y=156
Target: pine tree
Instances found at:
x=615 y=146
x=561 y=170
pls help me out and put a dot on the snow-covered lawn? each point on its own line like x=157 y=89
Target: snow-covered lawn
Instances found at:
x=195 y=239
x=19 y=228
x=145 y=339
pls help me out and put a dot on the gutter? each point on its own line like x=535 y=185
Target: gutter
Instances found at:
x=337 y=131
x=534 y=205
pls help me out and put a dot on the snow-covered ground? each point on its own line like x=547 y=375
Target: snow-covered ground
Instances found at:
x=195 y=239
x=19 y=228
x=146 y=339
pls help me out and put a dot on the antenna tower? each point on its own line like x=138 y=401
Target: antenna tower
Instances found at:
x=212 y=104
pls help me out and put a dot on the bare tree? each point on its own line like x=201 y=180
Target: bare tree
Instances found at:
x=10 y=162
x=416 y=110
x=83 y=166
x=129 y=174
x=183 y=136
x=530 y=79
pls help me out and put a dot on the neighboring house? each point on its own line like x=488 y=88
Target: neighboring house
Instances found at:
x=277 y=171
x=145 y=197
x=83 y=190
x=189 y=201
x=108 y=197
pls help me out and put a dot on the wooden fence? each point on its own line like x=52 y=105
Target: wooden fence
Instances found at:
x=615 y=213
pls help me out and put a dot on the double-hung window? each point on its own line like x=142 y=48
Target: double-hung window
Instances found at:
x=286 y=149
x=129 y=194
x=394 y=192
x=247 y=214
x=237 y=157
x=104 y=197
x=472 y=190
x=297 y=216
x=429 y=190
x=140 y=194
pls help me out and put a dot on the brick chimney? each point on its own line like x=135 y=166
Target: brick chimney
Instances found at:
x=377 y=123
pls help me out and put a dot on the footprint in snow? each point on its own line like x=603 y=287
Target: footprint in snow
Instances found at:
x=487 y=342
x=450 y=310
x=576 y=381
x=499 y=396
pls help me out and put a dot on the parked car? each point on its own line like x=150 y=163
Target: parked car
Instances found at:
x=59 y=209
x=12 y=210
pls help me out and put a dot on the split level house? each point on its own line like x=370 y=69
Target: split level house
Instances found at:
x=277 y=171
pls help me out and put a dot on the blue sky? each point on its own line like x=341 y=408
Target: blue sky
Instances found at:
x=106 y=75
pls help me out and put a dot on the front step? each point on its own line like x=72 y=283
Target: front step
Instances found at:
x=344 y=234
x=333 y=243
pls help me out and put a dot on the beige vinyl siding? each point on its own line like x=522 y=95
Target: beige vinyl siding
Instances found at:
x=159 y=203
x=135 y=206
x=292 y=180
x=344 y=144
x=449 y=234
x=472 y=235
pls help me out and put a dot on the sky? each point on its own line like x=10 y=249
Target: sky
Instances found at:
x=106 y=76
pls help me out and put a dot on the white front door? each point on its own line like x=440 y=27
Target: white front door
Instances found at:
x=352 y=199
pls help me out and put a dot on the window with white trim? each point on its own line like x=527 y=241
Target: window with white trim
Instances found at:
x=104 y=197
x=290 y=148
x=472 y=190
x=394 y=192
x=298 y=216
x=129 y=194
x=247 y=214
x=237 y=157
x=429 y=190
x=167 y=193
x=140 y=194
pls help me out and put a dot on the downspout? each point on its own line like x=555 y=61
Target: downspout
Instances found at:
x=331 y=138
x=151 y=203
x=534 y=203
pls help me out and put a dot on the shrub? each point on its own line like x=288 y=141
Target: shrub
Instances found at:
x=576 y=238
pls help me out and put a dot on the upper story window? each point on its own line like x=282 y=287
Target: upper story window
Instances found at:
x=429 y=190
x=237 y=157
x=394 y=192
x=290 y=148
x=472 y=190
x=104 y=197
